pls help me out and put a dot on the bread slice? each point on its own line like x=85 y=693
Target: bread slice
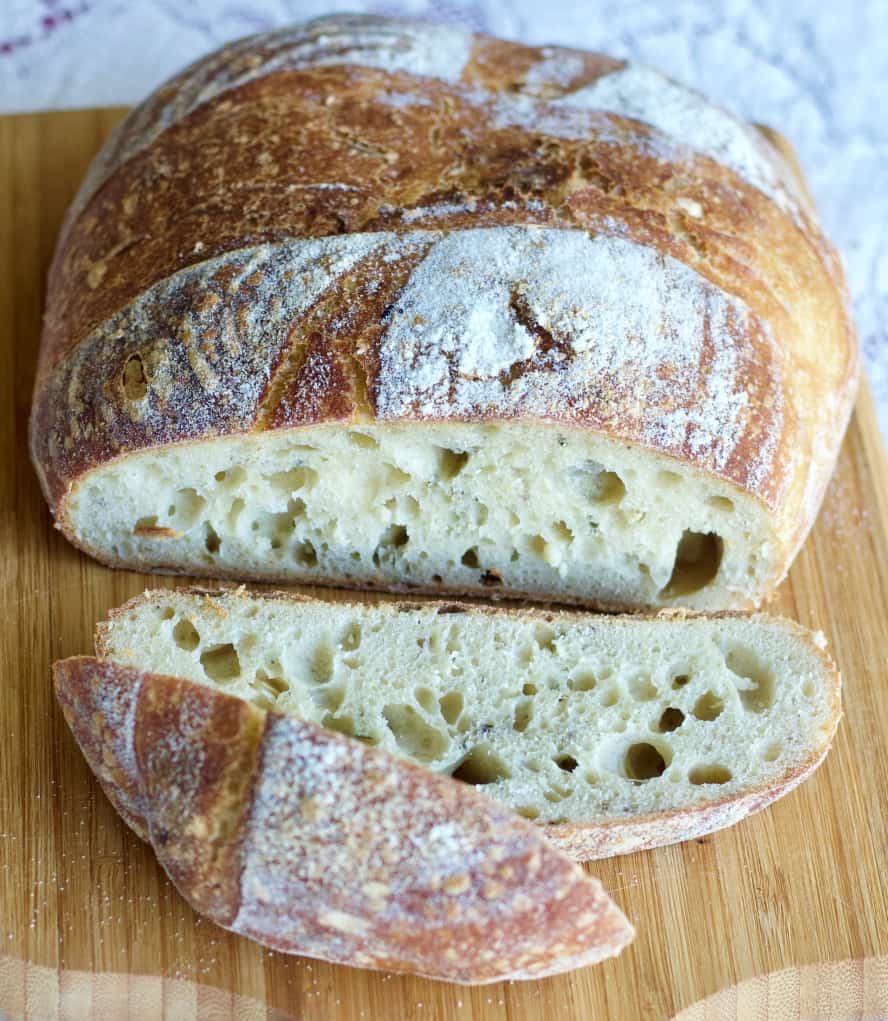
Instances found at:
x=613 y=733
x=315 y=844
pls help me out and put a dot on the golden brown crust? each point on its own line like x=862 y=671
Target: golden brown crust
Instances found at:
x=313 y=843
x=186 y=299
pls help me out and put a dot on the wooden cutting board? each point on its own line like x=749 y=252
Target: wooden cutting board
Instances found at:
x=90 y=928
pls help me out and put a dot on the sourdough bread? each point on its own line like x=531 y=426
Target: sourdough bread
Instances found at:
x=612 y=733
x=317 y=845
x=386 y=304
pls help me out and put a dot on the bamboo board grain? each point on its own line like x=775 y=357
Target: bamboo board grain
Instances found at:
x=90 y=928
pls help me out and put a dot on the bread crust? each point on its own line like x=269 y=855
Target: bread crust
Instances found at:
x=600 y=839
x=313 y=843
x=201 y=290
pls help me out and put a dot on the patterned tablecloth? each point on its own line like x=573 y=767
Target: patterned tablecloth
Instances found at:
x=817 y=70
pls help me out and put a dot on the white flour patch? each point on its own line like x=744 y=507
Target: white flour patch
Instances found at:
x=638 y=336
x=558 y=67
x=441 y=209
x=646 y=95
x=402 y=100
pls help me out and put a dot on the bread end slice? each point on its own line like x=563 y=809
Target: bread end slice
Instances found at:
x=316 y=844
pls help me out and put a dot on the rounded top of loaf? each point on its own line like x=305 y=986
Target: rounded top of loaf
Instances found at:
x=365 y=218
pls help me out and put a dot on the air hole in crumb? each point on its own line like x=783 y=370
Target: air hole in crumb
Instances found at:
x=491 y=577
x=293 y=480
x=221 y=663
x=566 y=762
x=413 y=735
x=610 y=697
x=425 y=698
x=557 y=792
x=342 y=725
x=721 y=503
x=481 y=766
x=708 y=706
x=643 y=762
x=528 y=812
x=275 y=686
x=395 y=477
x=135 y=385
x=538 y=546
x=394 y=537
x=451 y=706
x=680 y=680
x=363 y=440
x=306 y=555
x=671 y=719
x=808 y=688
x=529 y=689
x=756 y=687
x=701 y=775
x=211 y=538
x=562 y=532
x=188 y=506
x=697 y=560
x=332 y=698
x=352 y=637
x=773 y=751
x=437 y=579
x=544 y=637
x=470 y=557
x=321 y=664
x=668 y=478
x=185 y=635
x=582 y=680
x=451 y=462
x=642 y=689
x=167 y=613
x=235 y=511
x=523 y=715
x=599 y=485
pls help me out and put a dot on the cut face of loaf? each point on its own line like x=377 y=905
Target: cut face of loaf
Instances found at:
x=511 y=509
x=616 y=733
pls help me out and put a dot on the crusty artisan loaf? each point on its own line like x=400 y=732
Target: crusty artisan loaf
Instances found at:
x=614 y=733
x=314 y=844
x=389 y=304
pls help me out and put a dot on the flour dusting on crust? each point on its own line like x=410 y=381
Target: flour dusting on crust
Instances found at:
x=553 y=323
x=351 y=857
x=687 y=117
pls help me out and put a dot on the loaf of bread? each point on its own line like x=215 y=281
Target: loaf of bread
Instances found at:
x=387 y=304
x=613 y=734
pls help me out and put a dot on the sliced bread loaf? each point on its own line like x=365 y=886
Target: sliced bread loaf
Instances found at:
x=614 y=733
x=386 y=304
